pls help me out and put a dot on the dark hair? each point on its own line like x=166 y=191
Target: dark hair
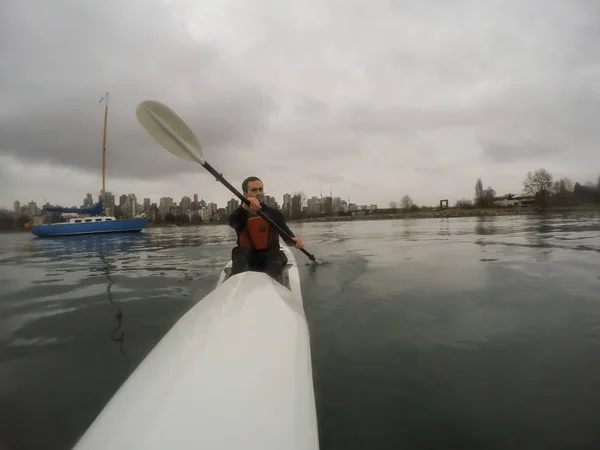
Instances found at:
x=248 y=180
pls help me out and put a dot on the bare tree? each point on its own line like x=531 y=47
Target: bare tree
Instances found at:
x=538 y=182
x=479 y=194
x=393 y=205
x=406 y=203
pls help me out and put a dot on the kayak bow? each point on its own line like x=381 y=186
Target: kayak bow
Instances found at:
x=234 y=372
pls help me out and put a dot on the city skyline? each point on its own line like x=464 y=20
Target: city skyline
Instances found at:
x=34 y=191
x=515 y=181
x=117 y=199
x=540 y=187
x=192 y=208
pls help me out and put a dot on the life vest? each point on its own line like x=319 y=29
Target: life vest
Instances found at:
x=256 y=235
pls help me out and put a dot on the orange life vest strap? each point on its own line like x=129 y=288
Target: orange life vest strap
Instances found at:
x=256 y=235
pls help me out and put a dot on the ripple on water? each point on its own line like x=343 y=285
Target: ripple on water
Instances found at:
x=483 y=327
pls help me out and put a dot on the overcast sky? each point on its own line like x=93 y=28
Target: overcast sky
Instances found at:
x=377 y=98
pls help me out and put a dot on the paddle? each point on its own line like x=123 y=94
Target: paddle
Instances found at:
x=170 y=131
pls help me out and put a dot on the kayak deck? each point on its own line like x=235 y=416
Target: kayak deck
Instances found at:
x=235 y=372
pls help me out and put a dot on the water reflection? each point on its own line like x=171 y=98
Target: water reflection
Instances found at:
x=120 y=339
x=410 y=229
x=444 y=227
x=486 y=225
x=69 y=248
x=538 y=235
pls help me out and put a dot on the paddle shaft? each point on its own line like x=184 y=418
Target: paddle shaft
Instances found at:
x=238 y=194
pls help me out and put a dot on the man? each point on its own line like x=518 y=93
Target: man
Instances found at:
x=257 y=241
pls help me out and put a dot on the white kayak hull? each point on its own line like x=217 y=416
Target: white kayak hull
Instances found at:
x=234 y=372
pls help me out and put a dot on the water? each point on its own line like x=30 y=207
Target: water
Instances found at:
x=471 y=333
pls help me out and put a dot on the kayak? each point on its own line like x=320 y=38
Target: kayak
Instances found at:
x=234 y=372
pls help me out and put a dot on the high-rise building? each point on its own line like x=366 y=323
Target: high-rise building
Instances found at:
x=296 y=206
x=232 y=205
x=205 y=214
x=164 y=206
x=287 y=204
x=212 y=210
x=327 y=205
x=109 y=203
x=336 y=204
x=32 y=209
x=129 y=206
x=314 y=206
x=186 y=204
x=88 y=200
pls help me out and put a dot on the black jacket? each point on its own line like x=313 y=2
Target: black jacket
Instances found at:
x=238 y=219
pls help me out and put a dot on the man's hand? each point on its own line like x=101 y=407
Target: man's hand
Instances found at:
x=298 y=242
x=254 y=204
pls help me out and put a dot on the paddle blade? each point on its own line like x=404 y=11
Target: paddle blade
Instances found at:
x=169 y=130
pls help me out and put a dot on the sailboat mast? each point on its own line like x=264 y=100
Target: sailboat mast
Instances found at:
x=104 y=147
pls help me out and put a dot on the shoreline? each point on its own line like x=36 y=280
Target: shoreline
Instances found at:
x=451 y=213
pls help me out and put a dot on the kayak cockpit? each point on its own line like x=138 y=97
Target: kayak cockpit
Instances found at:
x=283 y=279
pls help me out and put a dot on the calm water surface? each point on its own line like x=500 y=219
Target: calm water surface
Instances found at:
x=473 y=333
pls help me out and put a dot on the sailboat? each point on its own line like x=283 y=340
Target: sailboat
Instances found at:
x=98 y=222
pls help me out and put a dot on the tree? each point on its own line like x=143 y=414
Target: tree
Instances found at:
x=406 y=203
x=587 y=193
x=182 y=218
x=479 y=194
x=393 y=206
x=488 y=197
x=539 y=184
x=464 y=204
x=562 y=185
x=562 y=194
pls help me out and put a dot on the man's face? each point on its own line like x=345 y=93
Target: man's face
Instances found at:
x=255 y=189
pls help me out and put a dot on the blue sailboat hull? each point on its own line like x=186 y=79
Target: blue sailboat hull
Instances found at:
x=72 y=229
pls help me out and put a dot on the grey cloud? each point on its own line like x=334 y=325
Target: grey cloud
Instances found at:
x=329 y=89
x=60 y=120
x=501 y=151
x=547 y=120
x=326 y=178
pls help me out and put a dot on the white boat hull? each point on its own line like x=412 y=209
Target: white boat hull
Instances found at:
x=234 y=372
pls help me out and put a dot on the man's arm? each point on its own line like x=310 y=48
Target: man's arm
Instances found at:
x=236 y=217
